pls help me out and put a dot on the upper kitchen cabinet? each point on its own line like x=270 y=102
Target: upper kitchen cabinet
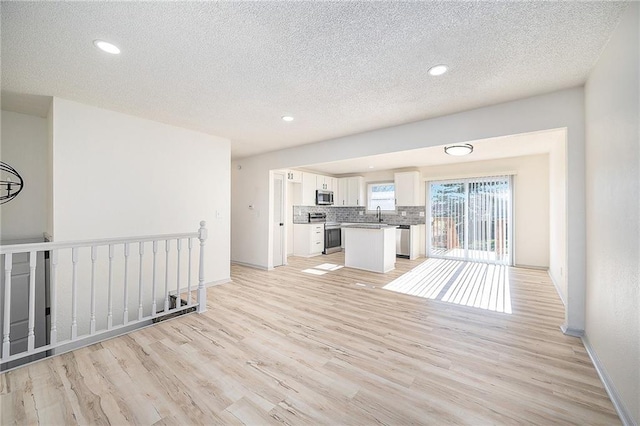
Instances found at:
x=325 y=183
x=350 y=192
x=334 y=185
x=293 y=176
x=308 y=189
x=407 y=187
x=312 y=182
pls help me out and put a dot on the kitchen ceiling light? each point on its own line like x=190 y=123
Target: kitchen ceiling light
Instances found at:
x=287 y=118
x=438 y=70
x=458 y=150
x=106 y=47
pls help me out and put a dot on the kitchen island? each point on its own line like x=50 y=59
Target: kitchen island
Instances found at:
x=371 y=247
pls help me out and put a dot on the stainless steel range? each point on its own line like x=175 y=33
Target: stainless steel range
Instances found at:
x=332 y=237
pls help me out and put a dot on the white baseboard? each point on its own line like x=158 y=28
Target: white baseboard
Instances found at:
x=571 y=331
x=623 y=412
x=537 y=268
x=555 y=284
x=250 y=265
x=218 y=282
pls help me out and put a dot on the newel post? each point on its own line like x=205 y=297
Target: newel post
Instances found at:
x=202 y=291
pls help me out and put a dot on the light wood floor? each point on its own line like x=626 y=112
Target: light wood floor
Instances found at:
x=295 y=348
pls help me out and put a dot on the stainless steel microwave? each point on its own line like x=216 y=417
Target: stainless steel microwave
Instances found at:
x=324 y=198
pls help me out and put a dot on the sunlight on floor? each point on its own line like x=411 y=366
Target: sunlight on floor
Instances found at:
x=477 y=285
x=322 y=269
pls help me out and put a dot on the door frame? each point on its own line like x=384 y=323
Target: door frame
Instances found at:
x=510 y=213
x=280 y=175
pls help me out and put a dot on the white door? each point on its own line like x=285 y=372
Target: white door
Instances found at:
x=471 y=220
x=278 y=220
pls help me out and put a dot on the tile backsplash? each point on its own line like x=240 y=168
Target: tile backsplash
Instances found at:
x=352 y=215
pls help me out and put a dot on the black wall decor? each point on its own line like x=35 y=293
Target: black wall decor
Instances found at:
x=11 y=183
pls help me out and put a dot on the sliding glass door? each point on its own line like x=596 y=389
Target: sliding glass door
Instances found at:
x=471 y=219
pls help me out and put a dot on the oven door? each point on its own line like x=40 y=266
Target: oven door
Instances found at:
x=332 y=240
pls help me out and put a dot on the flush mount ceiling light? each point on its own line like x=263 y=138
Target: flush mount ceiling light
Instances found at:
x=287 y=118
x=106 y=47
x=457 y=150
x=438 y=70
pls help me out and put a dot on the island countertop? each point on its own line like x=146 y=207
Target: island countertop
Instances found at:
x=369 y=225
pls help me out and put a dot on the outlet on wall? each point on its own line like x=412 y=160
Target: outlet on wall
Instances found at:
x=361 y=213
x=421 y=214
x=403 y=213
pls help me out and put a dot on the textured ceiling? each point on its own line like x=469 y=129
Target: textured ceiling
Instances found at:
x=234 y=68
x=486 y=149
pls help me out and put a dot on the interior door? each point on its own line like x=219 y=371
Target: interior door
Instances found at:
x=278 y=220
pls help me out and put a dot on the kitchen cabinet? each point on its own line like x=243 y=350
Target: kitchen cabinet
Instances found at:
x=312 y=182
x=407 y=188
x=308 y=189
x=370 y=249
x=324 y=183
x=333 y=183
x=308 y=239
x=293 y=176
x=350 y=192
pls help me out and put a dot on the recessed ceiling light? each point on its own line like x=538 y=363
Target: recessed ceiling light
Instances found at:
x=438 y=70
x=287 y=118
x=371 y=167
x=458 y=150
x=106 y=47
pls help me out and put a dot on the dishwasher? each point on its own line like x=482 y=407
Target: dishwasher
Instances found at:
x=403 y=241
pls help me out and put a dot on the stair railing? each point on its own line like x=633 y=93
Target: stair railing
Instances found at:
x=107 y=274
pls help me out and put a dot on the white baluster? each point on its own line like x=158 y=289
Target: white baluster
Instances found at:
x=166 y=275
x=74 y=294
x=141 y=251
x=153 y=288
x=178 y=302
x=125 y=314
x=53 y=337
x=189 y=277
x=110 y=297
x=31 y=337
x=6 y=343
x=202 y=292
x=94 y=256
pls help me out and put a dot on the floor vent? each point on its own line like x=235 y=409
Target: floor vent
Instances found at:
x=172 y=305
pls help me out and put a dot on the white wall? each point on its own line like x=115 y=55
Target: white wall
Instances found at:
x=558 y=216
x=562 y=109
x=530 y=204
x=116 y=175
x=612 y=96
x=24 y=147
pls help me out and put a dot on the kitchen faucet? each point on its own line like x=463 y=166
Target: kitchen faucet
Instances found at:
x=379 y=213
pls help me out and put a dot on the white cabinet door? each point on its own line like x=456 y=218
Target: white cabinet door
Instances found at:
x=324 y=183
x=355 y=191
x=308 y=239
x=407 y=187
x=308 y=189
x=341 y=199
x=294 y=176
x=333 y=185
